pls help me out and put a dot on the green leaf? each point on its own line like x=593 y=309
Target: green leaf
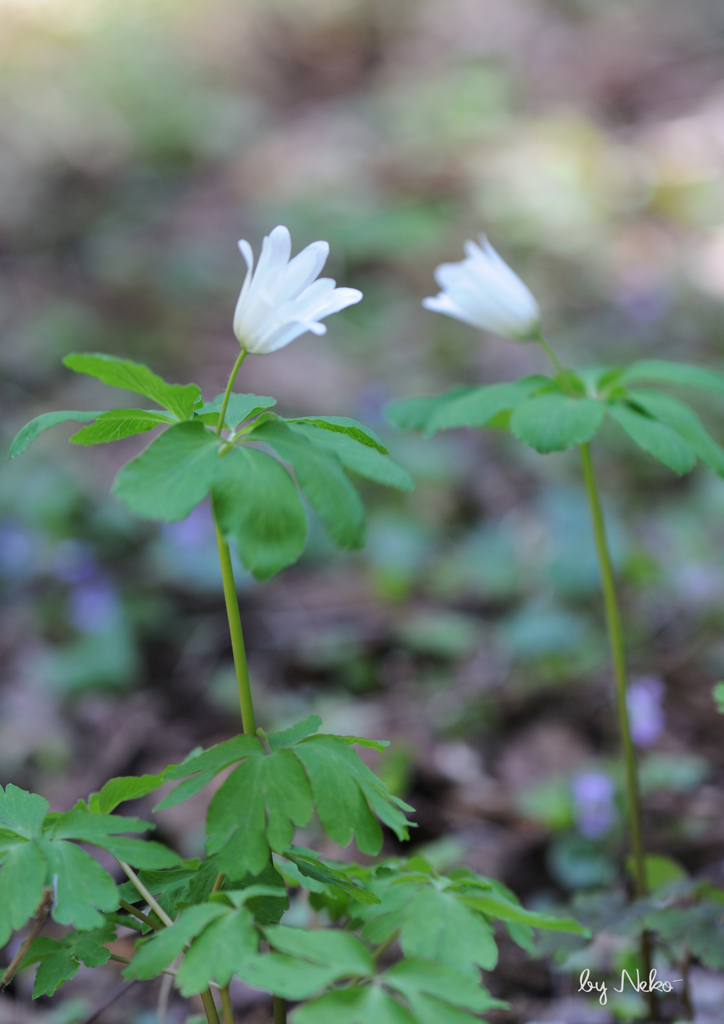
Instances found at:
x=89 y=947
x=309 y=866
x=286 y=976
x=40 y=949
x=219 y=952
x=30 y=431
x=656 y=438
x=154 y=954
x=662 y=371
x=554 y=422
x=503 y=910
x=416 y=413
x=21 y=887
x=139 y=853
x=127 y=787
x=322 y=479
x=438 y=926
x=53 y=971
x=218 y=757
x=380 y=745
x=366 y=460
x=22 y=812
x=236 y=824
x=81 y=824
x=325 y=946
x=258 y=507
x=240 y=407
x=173 y=474
x=684 y=421
x=660 y=870
x=369 y=1005
x=120 y=423
x=344 y=425
x=346 y=792
x=478 y=406
x=412 y=977
x=298 y=732
x=123 y=373
x=81 y=885
x=718 y=695
x=186 y=789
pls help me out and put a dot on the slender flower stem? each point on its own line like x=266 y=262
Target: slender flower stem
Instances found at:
x=227 y=1010
x=615 y=634
x=146 y=894
x=227 y=393
x=280 y=1010
x=618 y=656
x=237 y=635
x=212 y=1015
x=553 y=357
x=140 y=915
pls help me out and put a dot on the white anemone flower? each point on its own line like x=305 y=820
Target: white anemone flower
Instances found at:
x=483 y=291
x=282 y=298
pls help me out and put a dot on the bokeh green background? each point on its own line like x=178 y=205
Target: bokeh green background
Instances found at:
x=138 y=142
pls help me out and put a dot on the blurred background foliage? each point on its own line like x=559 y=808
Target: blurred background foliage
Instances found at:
x=138 y=141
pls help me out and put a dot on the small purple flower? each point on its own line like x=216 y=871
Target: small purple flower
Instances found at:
x=646 y=715
x=74 y=562
x=94 y=607
x=593 y=794
x=16 y=552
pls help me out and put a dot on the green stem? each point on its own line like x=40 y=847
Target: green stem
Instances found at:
x=553 y=357
x=210 y=1010
x=280 y=1010
x=618 y=655
x=140 y=915
x=227 y=393
x=227 y=1010
x=237 y=635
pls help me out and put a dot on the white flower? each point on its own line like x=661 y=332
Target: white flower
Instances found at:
x=483 y=291
x=282 y=299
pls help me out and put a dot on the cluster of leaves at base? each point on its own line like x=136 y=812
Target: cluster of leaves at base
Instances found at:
x=254 y=474
x=552 y=414
x=444 y=925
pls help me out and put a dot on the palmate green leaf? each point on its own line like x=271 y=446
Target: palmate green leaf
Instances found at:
x=324 y=482
x=218 y=757
x=477 y=407
x=416 y=413
x=186 y=789
x=172 y=475
x=309 y=866
x=658 y=439
x=345 y=426
x=124 y=373
x=103 y=830
x=155 y=954
x=325 y=946
x=295 y=734
x=553 y=422
x=273 y=787
x=699 y=925
x=54 y=971
x=684 y=421
x=22 y=812
x=125 y=787
x=364 y=459
x=258 y=507
x=414 y=977
x=287 y=976
x=83 y=887
x=27 y=434
x=22 y=878
x=662 y=371
x=240 y=408
x=120 y=423
x=219 y=952
x=503 y=910
x=356 y=1005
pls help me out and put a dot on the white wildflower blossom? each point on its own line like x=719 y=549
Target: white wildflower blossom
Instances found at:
x=483 y=291
x=282 y=298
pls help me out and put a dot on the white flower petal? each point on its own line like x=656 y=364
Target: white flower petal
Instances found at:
x=483 y=291
x=282 y=299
